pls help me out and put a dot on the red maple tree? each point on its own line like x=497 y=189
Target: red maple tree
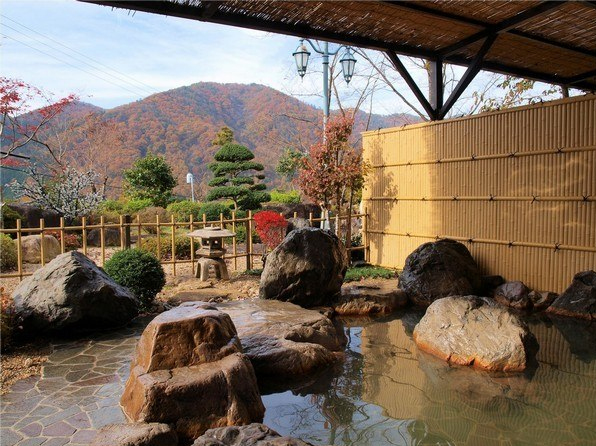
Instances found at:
x=333 y=169
x=271 y=227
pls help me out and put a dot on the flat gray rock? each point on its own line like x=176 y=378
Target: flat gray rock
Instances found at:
x=136 y=434
x=255 y=434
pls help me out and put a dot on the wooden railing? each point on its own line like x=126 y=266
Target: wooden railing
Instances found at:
x=132 y=232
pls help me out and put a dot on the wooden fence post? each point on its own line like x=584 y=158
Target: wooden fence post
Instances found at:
x=19 y=251
x=139 y=230
x=234 y=240
x=173 y=221
x=84 y=225
x=102 y=239
x=127 y=222
x=365 y=235
x=192 y=245
x=41 y=247
x=158 y=237
x=62 y=241
x=249 y=241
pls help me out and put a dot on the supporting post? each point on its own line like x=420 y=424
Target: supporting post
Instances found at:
x=127 y=222
x=435 y=84
x=468 y=76
x=403 y=71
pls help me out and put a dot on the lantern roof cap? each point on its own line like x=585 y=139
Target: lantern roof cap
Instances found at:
x=209 y=232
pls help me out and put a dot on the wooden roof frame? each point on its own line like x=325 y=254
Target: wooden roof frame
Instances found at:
x=436 y=107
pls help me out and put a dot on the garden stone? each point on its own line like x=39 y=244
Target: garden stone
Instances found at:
x=283 y=340
x=579 y=299
x=307 y=268
x=367 y=300
x=297 y=223
x=188 y=370
x=475 y=331
x=71 y=292
x=514 y=295
x=185 y=336
x=136 y=434
x=31 y=248
x=440 y=269
x=111 y=237
x=255 y=434
x=195 y=398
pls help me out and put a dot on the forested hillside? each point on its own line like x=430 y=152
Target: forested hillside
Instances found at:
x=181 y=124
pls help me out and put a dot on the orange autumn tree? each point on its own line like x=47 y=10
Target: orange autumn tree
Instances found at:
x=333 y=171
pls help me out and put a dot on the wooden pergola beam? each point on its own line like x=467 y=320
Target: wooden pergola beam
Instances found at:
x=503 y=26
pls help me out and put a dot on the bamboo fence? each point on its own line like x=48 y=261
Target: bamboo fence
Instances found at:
x=132 y=232
x=518 y=187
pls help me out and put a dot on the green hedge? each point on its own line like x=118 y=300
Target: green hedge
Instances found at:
x=8 y=253
x=182 y=210
x=181 y=241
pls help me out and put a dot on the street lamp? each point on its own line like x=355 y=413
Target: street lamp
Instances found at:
x=348 y=63
x=190 y=179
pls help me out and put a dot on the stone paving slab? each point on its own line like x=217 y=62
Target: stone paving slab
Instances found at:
x=77 y=394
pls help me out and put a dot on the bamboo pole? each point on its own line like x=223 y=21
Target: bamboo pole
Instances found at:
x=173 y=221
x=41 y=247
x=84 y=228
x=192 y=245
x=139 y=229
x=19 y=251
x=122 y=232
x=62 y=241
x=310 y=218
x=102 y=239
x=234 y=240
x=365 y=235
x=249 y=241
x=158 y=236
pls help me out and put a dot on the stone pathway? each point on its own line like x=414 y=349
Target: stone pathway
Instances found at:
x=76 y=395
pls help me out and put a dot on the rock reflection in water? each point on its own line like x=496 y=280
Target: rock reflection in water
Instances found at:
x=387 y=393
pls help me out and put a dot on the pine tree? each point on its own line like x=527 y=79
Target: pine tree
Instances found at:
x=233 y=179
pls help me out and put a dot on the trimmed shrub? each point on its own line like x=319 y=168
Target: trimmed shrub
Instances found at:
x=116 y=206
x=147 y=215
x=139 y=271
x=8 y=253
x=212 y=211
x=369 y=272
x=9 y=217
x=182 y=210
x=285 y=197
x=181 y=241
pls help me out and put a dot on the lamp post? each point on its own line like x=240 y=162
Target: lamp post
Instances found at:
x=347 y=61
x=190 y=179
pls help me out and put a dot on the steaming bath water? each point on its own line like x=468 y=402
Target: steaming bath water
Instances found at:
x=388 y=393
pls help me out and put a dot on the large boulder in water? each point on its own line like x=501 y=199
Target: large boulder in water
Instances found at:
x=255 y=434
x=475 y=331
x=579 y=299
x=188 y=370
x=307 y=268
x=283 y=340
x=440 y=269
x=72 y=292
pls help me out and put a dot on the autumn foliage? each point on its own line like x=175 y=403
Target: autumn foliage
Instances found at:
x=333 y=169
x=271 y=227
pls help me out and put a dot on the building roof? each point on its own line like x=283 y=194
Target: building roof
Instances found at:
x=550 y=41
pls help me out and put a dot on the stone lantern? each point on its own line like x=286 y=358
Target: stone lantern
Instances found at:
x=211 y=252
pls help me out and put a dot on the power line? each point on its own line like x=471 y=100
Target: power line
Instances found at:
x=149 y=87
x=140 y=89
x=69 y=64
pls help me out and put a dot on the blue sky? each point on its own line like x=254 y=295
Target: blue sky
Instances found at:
x=111 y=57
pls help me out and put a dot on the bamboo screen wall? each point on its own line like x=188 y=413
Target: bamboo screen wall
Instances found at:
x=518 y=187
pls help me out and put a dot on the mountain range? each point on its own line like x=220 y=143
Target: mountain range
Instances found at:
x=181 y=123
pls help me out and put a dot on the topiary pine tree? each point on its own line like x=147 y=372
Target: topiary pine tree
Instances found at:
x=233 y=179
